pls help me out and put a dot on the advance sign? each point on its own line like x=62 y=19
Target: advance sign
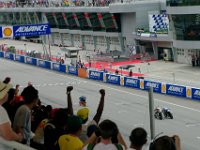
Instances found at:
x=31 y=30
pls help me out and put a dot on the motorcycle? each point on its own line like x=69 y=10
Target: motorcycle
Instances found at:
x=158 y=114
x=167 y=113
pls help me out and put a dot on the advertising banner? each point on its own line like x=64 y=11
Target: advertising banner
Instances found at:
x=56 y=66
x=44 y=64
x=96 y=75
x=1 y=54
x=62 y=68
x=7 y=32
x=31 y=61
x=175 y=90
x=31 y=30
x=82 y=73
x=196 y=94
x=131 y=82
x=113 y=79
x=156 y=86
x=9 y=56
x=72 y=70
x=1 y=35
x=20 y=58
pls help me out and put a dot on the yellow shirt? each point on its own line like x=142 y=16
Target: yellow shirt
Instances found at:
x=69 y=142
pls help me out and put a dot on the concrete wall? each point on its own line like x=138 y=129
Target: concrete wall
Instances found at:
x=128 y=25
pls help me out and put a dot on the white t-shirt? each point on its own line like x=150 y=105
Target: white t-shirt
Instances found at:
x=101 y=146
x=3 y=119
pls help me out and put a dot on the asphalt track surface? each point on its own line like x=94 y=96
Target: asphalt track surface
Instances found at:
x=127 y=107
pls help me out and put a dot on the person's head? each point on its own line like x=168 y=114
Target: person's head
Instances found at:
x=138 y=137
x=4 y=88
x=91 y=129
x=7 y=80
x=74 y=125
x=108 y=129
x=82 y=101
x=60 y=118
x=83 y=114
x=163 y=143
x=30 y=95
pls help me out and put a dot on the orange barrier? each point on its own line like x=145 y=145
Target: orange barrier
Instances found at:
x=82 y=73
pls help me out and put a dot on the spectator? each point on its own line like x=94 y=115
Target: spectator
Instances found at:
x=107 y=130
x=6 y=131
x=130 y=73
x=84 y=112
x=193 y=60
x=166 y=143
x=22 y=119
x=54 y=129
x=38 y=139
x=116 y=72
x=137 y=138
x=71 y=141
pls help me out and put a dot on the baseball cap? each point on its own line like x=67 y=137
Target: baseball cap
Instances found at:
x=82 y=99
x=83 y=113
x=4 y=88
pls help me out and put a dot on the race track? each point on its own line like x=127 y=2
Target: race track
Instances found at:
x=127 y=107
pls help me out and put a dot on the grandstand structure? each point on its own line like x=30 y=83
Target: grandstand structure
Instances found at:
x=131 y=28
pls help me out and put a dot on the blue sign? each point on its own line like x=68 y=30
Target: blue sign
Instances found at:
x=56 y=66
x=1 y=35
x=31 y=61
x=72 y=70
x=175 y=90
x=62 y=68
x=114 y=79
x=44 y=64
x=9 y=56
x=156 y=86
x=131 y=82
x=196 y=93
x=96 y=75
x=1 y=54
x=19 y=58
x=31 y=30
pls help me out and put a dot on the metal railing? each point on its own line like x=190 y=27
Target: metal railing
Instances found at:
x=15 y=145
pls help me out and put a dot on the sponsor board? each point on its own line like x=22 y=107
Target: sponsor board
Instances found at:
x=156 y=86
x=114 y=79
x=9 y=56
x=41 y=63
x=95 y=75
x=31 y=61
x=1 y=54
x=175 y=90
x=195 y=93
x=19 y=58
x=56 y=66
x=31 y=30
x=72 y=70
x=7 y=32
x=131 y=82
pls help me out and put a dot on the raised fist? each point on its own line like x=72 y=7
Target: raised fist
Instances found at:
x=69 y=88
x=102 y=92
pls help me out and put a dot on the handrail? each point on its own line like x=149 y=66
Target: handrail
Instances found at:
x=15 y=145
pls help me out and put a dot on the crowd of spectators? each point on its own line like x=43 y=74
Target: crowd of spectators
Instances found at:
x=23 y=118
x=46 y=3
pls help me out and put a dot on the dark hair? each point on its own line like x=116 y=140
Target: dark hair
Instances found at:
x=29 y=94
x=11 y=94
x=108 y=129
x=163 y=143
x=60 y=118
x=74 y=124
x=138 y=137
x=7 y=80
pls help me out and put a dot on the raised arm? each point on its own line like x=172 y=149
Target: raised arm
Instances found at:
x=99 y=112
x=69 y=100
